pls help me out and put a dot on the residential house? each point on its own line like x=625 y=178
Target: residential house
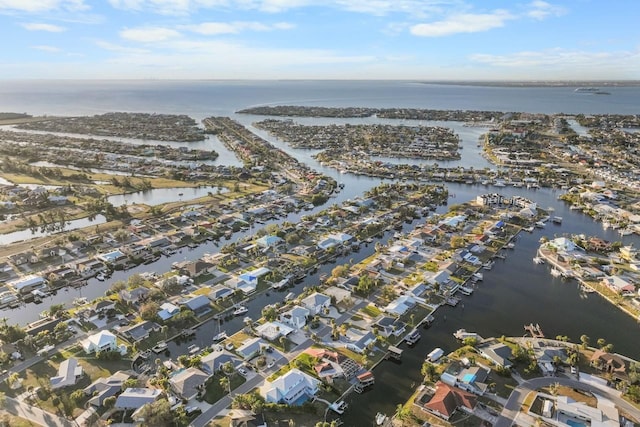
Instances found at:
x=24 y=258
x=68 y=373
x=134 y=296
x=104 y=305
x=136 y=398
x=498 y=353
x=212 y=362
x=359 y=340
x=198 y=304
x=113 y=257
x=219 y=292
x=296 y=317
x=188 y=383
x=618 y=284
x=251 y=348
x=316 y=303
x=101 y=341
x=388 y=326
x=167 y=311
x=140 y=331
x=269 y=242
x=197 y=268
x=293 y=388
x=610 y=363
x=90 y=268
x=401 y=305
x=448 y=399
x=54 y=251
x=471 y=379
x=273 y=330
x=102 y=388
x=26 y=284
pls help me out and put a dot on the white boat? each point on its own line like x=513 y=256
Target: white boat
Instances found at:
x=557 y=219
x=478 y=276
x=587 y=289
x=555 y=272
x=462 y=334
x=538 y=260
x=193 y=349
x=510 y=245
x=247 y=319
x=465 y=290
x=413 y=337
x=539 y=224
x=221 y=336
x=487 y=266
x=80 y=301
x=381 y=418
x=159 y=347
x=240 y=310
x=528 y=229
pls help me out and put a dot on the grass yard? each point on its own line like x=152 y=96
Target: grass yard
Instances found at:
x=214 y=390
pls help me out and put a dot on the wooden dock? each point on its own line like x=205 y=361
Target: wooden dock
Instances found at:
x=534 y=330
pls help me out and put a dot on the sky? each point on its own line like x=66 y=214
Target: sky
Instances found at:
x=320 y=39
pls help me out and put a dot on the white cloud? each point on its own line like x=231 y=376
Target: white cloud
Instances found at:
x=112 y=47
x=168 y=7
x=541 y=9
x=148 y=34
x=41 y=5
x=373 y=7
x=46 y=48
x=572 y=64
x=35 y=26
x=463 y=23
x=215 y=28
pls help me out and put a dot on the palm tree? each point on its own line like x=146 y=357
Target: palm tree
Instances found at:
x=225 y=384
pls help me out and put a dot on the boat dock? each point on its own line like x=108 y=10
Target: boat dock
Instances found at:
x=393 y=353
x=534 y=330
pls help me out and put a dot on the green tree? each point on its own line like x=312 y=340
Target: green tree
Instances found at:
x=428 y=370
x=584 y=339
x=225 y=384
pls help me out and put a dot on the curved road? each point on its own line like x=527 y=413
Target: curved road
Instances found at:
x=517 y=397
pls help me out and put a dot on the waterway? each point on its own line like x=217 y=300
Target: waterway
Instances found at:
x=75 y=224
x=159 y=196
x=513 y=293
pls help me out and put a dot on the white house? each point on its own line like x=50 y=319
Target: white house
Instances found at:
x=296 y=317
x=102 y=341
x=293 y=388
x=68 y=373
x=316 y=302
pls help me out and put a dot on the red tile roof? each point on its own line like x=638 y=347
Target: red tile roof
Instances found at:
x=447 y=399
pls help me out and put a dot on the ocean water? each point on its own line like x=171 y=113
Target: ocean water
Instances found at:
x=205 y=98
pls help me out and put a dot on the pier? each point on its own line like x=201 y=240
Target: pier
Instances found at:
x=534 y=330
x=393 y=353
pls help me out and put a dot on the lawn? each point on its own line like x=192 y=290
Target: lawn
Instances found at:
x=371 y=311
x=214 y=390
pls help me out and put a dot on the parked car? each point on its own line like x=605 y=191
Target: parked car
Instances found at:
x=242 y=371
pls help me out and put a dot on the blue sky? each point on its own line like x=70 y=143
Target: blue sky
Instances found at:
x=320 y=39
